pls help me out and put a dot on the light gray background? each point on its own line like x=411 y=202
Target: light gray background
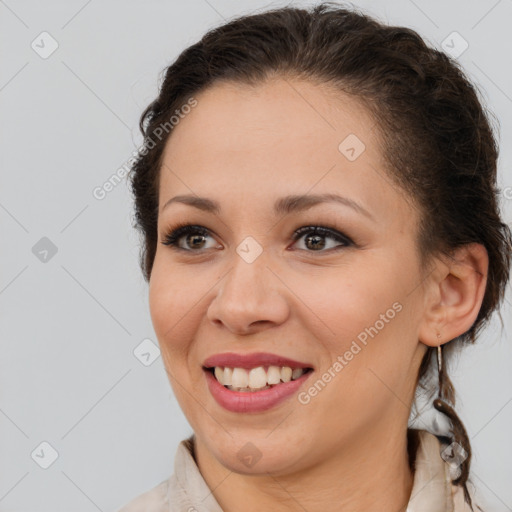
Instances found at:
x=70 y=325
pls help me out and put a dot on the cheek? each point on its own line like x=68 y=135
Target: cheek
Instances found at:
x=349 y=299
x=162 y=302
x=170 y=305
x=365 y=317
x=172 y=317
x=376 y=342
x=177 y=303
x=171 y=293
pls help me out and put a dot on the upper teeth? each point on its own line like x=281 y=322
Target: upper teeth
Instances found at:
x=256 y=378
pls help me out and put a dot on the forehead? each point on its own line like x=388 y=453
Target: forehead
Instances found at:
x=281 y=137
x=277 y=114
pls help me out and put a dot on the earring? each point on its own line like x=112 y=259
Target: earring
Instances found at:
x=459 y=475
x=439 y=359
x=440 y=372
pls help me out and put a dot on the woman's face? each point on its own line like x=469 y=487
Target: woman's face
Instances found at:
x=346 y=302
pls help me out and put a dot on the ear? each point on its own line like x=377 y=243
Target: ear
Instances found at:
x=457 y=293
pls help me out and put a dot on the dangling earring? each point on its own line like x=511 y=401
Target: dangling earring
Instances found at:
x=440 y=371
x=439 y=403
x=439 y=362
x=457 y=428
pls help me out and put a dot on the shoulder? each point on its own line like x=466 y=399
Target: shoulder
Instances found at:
x=432 y=487
x=185 y=489
x=153 y=500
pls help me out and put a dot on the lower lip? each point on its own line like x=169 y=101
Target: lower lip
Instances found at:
x=253 y=401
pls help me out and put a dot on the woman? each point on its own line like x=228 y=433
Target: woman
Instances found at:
x=317 y=201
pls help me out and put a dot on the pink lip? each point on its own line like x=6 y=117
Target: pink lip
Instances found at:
x=248 y=361
x=253 y=401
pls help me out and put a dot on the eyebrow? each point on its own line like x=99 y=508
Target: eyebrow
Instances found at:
x=283 y=206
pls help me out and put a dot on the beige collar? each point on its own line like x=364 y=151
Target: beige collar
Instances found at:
x=432 y=488
x=187 y=491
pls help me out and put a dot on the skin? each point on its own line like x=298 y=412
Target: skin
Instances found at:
x=246 y=147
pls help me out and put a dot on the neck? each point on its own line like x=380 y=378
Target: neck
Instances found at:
x=367 y=476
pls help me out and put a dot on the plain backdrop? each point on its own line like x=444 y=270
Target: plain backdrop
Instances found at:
x=87 y=417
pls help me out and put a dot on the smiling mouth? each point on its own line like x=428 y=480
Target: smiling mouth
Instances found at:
x=255 y=379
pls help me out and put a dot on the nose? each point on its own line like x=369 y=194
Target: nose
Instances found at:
x=249 y=298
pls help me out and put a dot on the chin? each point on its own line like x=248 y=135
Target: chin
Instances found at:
x=251 y=461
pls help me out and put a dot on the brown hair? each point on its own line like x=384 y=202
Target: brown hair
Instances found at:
x=437 y=139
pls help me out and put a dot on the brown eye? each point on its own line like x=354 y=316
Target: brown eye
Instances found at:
x=315 y=236
x=194 y=237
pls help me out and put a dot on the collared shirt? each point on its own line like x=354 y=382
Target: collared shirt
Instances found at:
x=187 y=491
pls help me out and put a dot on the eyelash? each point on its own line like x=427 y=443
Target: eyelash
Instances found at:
x=174 y=235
